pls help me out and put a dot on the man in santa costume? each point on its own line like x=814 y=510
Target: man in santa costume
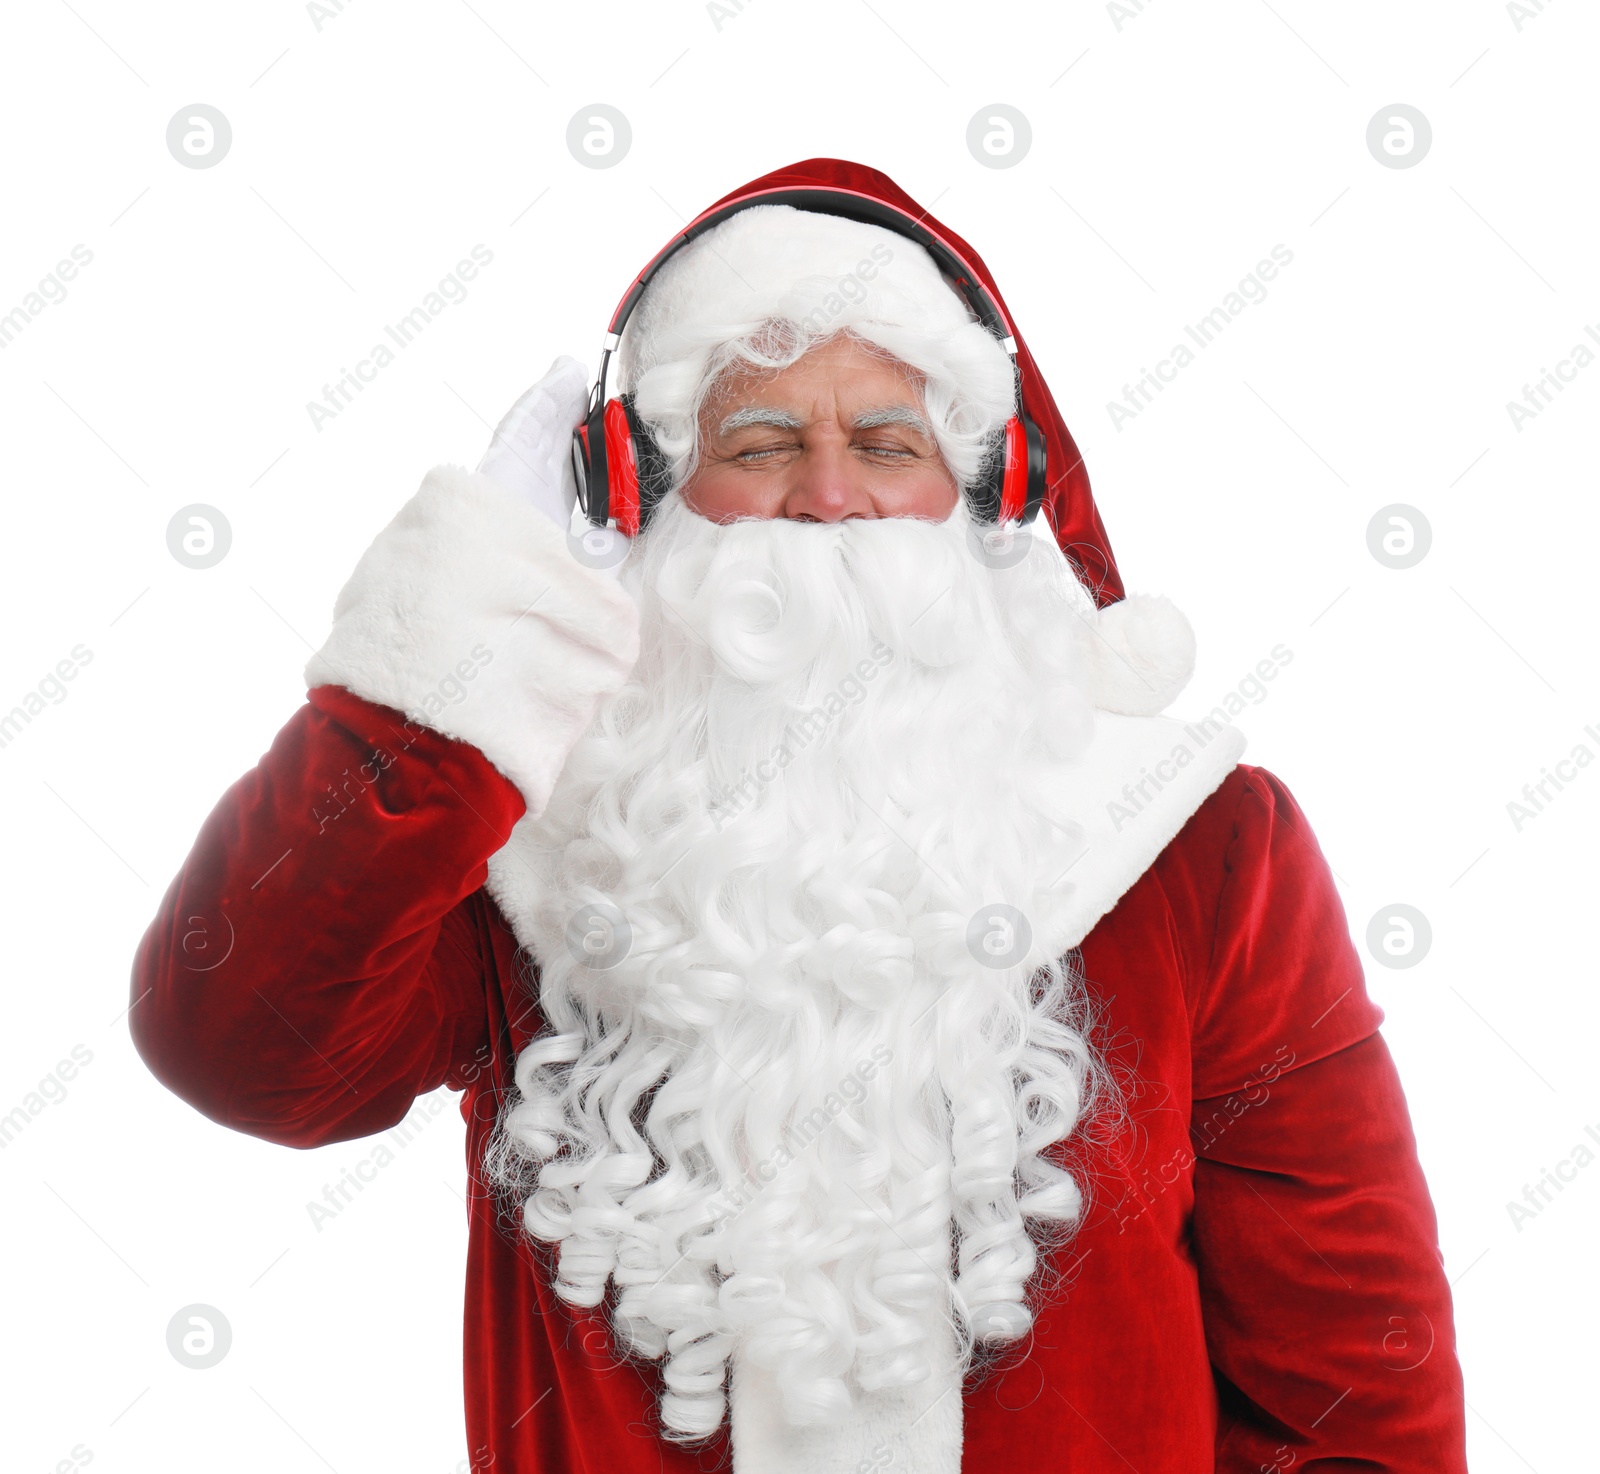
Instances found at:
x=885 y=1039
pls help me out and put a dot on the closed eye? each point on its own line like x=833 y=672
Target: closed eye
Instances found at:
x=757 y=453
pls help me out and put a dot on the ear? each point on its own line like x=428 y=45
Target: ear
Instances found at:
x=1142 y=655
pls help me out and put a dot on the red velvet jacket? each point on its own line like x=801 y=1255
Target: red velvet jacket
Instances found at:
x=1257 y=1286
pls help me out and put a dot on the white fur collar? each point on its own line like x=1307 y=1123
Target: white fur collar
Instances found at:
x=1139 y=782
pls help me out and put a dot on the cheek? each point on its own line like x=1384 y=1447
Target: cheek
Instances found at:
x=928 y=492
x=720 y=493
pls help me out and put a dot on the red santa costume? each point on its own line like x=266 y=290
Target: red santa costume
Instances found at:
x=885 y=1040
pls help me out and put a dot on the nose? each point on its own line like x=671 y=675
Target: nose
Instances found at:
x=826 y=484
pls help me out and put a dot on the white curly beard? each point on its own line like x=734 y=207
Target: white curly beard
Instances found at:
x=801 y=1065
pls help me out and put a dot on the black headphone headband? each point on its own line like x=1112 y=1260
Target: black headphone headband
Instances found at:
x=849 y=204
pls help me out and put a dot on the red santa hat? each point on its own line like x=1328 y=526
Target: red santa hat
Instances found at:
x=825 y=273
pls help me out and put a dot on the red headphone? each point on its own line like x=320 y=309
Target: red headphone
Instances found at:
x=622 y=474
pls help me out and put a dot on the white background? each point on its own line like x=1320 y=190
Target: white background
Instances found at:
x=1170 y=152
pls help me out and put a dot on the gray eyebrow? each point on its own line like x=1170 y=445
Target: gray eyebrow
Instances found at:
x=757 y=414
x=893 y=414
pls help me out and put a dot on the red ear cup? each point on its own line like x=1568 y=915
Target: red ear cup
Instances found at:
x=622 y=465
x=620 y=470
x=1014 y=472
x=1022 y=478
x=1016 y=490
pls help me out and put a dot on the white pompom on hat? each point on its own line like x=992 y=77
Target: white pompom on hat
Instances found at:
x=1142 y=653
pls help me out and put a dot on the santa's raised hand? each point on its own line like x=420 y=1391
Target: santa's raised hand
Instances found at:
x=529 y=451
x=530 y=454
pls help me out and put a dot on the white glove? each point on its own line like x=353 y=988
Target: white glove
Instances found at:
x=531 y=455
x=529 y=452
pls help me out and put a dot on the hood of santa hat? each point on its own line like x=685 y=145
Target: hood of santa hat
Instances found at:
x=1068 y=502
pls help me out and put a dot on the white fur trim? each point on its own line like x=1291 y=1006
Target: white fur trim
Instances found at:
x=471 y=587
x=1126 y=827
x=911 y=1428
x=747 y=268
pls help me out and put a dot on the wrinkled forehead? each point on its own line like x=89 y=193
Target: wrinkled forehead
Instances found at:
x=848 y=375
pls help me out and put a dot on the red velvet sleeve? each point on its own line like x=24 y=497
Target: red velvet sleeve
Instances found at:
x=315 y=967
x=1328 y=1316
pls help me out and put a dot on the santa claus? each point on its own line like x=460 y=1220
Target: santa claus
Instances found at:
x=886 y=1040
